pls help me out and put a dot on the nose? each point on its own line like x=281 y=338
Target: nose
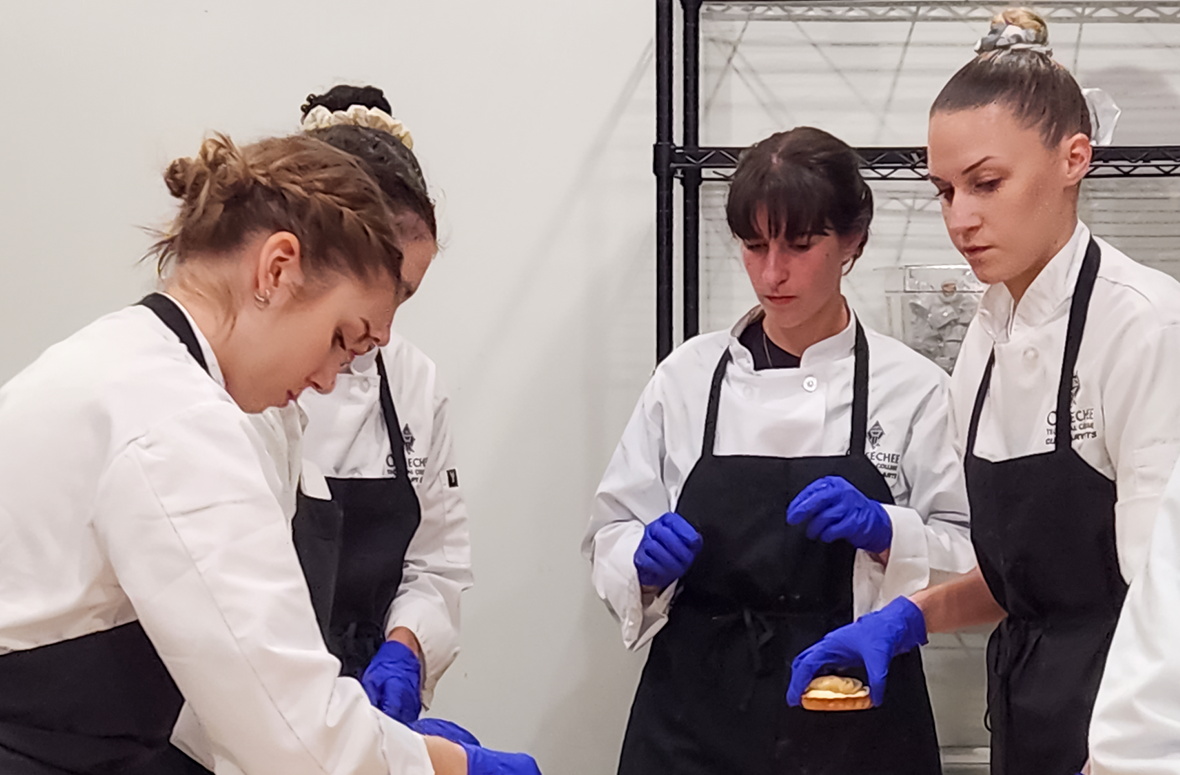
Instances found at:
x=381 y=333
x=961 y=216
x=777 y=268
x=324 y=380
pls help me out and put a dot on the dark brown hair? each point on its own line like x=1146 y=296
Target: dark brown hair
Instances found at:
x=808 y=181
x=394 y=166
x=297 y=184
x=1040 y=93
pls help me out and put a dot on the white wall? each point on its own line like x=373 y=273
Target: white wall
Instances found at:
x=534 y=122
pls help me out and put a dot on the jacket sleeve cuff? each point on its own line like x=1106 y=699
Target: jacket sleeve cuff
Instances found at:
x=908 y=570
x=436 y=636
x=617 y=582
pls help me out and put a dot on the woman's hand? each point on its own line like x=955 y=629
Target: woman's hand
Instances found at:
x=832 y=509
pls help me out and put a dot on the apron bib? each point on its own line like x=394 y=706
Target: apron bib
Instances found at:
x=1043 y=527
x=380 y=517
x=712 y=698
x=100 y=703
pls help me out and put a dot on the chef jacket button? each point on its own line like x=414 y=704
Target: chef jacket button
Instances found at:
x=810 y=384
x=1030 y=354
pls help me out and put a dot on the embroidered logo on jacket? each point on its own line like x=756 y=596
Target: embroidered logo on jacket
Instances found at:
x=408 y=438
x=1081 y=420
x=875 y=434
x=887 y=463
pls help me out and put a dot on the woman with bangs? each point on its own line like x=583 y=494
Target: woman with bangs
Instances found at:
x=775 y=480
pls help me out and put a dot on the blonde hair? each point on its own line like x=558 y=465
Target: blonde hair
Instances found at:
x=297 y=184
x=1025 y=19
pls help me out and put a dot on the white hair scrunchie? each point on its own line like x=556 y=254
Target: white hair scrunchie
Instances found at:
x=320 y=117
x=1004 y=36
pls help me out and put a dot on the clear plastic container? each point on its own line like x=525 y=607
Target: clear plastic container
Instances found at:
x=930 y=307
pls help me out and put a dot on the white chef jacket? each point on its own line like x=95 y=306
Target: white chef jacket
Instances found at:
x=133 y=487
x=799 y=412
x=1126 y=411
x=1135 y=729
x=346 y=438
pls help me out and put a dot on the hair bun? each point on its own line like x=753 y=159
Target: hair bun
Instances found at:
x=344 y=96
x=178 y=176
x=1016 y=29
x=218 y=170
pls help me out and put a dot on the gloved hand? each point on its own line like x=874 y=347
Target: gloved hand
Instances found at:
x=482 y=761
x=832 y=509
x=666 y=551
x=445 y=729
x=393 y=681
x=873 y=640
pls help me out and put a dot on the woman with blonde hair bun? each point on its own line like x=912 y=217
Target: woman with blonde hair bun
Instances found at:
x=157 y=567
x=1071 y=333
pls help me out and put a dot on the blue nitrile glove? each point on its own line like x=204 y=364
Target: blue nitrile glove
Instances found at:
x=393 y=681
x=666 y=552
x=873 y=640
x=482 y=761
x=446 y=729
x=833 y=510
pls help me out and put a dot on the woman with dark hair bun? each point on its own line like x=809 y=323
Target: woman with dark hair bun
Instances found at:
x=388 y=568
x=383 y=439
x=1070 y=333
x=776 y=480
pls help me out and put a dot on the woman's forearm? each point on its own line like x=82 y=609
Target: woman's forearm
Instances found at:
x=964 y=602
x=447 y=757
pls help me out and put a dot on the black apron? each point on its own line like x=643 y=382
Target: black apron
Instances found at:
x=1044 y=532
x=100 y=703
x=712 y=699
x=380 y=517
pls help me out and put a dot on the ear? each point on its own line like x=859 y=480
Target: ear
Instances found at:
x=1077 y=153
x=279 y=269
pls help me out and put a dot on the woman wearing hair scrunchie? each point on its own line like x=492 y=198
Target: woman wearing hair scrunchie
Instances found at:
x=379 y=520
x=1064 y=402
x=383 y=439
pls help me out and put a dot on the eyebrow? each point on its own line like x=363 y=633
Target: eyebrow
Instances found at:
x=936 y=180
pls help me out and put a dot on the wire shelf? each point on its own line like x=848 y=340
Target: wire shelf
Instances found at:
x=947 y=11
x=1150 y=161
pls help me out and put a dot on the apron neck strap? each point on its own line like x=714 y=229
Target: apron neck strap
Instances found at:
x=397 y=442
x=1078 y=308
x=172 y=316
x=860 y=393
x=714 y=400
x=980 y=396
x=860 y=397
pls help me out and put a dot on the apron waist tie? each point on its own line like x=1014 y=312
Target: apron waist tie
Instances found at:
x=760 y=628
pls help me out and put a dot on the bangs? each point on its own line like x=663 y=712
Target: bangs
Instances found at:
x=797 y=203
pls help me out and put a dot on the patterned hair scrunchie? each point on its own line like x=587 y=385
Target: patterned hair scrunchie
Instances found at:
x=1003 y=36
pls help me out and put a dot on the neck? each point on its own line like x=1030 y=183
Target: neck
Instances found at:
x=208 y=316
x=830 y=320
x=1019 y=285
